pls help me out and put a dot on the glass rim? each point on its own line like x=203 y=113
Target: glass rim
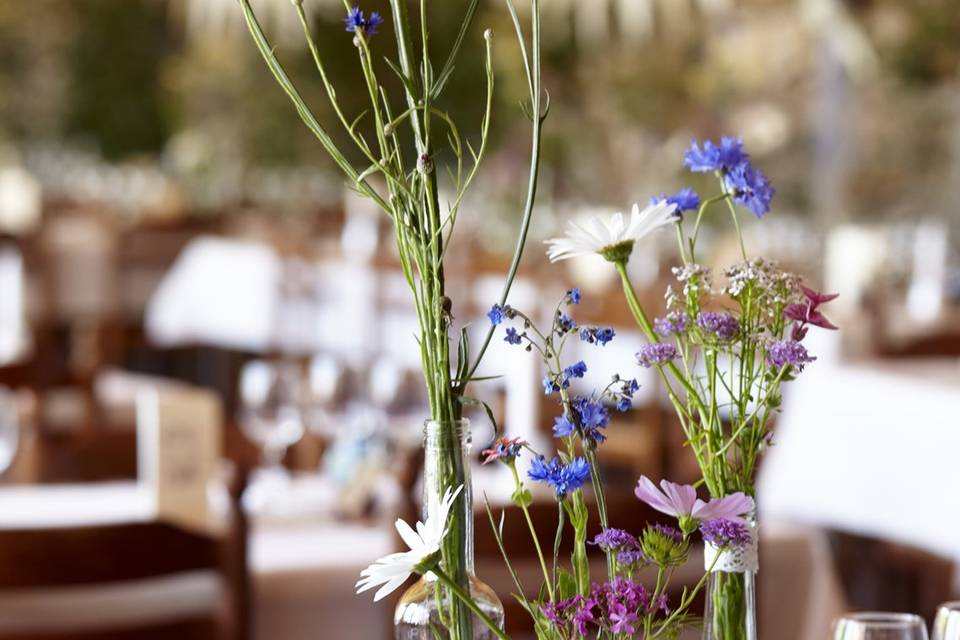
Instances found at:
x=883 y=619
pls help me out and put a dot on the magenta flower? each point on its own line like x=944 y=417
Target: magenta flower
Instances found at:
x=809 y=313
x=681 y=502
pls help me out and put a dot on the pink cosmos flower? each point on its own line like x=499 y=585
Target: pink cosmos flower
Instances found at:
x=681 y=502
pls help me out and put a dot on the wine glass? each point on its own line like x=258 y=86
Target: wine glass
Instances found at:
x=880 y=626
x=270 y=415
x=947 y=624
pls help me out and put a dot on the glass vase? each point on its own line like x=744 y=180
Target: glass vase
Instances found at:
x=428 y=610
x=731 y=609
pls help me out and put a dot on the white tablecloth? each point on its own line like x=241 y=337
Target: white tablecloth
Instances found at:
x=871 y=449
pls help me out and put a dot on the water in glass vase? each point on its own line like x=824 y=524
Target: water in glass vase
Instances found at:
x=428 y=610
x=731 y=609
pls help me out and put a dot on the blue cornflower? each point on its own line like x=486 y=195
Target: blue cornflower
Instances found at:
x=593 y=416
x=564 y=478
x=357 y=23
x=573 y=296
x=512 y=336
x=750 y=188
x=686 y=200
x=567 y=324
x=711 y=157
x=498 y=314
x=563 y=427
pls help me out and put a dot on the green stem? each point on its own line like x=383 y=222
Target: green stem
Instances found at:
x=458 y=591
x=533 y=532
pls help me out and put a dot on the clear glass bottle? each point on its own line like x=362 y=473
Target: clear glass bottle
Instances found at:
x=427 y=610
x=731 y=609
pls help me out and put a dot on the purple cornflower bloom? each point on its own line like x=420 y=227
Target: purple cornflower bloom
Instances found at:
x=723 y=325
x=506 y=449
x=750 y=188
x=597 y=335
x=711 y=157
x=672 y=324
x=781 y=353
x=656 y=353
x=631 y=556
x=726 y=534
x=573 y=296
x=686 y=200
x=357 y=23
x=614 y=539
x=564 y=478
x=512 y=336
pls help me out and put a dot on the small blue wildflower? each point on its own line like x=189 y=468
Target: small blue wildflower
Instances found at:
x=576 y=370
x=573 y=296
x=711 y=157
x=597 y=335
x=624 y=404
x=564 y=478
x=512 y=336
x=357 y=23
x=750 y=188
x=497 y=314
x=550 y=385
x=563 y=427
x=567 y=324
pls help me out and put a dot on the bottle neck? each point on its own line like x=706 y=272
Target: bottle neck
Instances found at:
x=447 y=466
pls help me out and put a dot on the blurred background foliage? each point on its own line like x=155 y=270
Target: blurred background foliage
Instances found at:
x=818 y=87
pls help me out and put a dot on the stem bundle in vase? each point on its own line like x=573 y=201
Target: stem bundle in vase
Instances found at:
x=410 y=178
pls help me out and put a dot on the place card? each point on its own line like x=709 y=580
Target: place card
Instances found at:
x=179 y=438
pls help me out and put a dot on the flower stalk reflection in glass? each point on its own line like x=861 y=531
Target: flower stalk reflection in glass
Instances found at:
x=409 y=176
x=722 y=352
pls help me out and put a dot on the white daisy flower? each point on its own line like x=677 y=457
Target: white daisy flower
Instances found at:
x=613 y=239
x=393 y=570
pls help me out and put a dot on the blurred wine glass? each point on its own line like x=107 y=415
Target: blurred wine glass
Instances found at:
x=947 y=624
x=271 y=416
x=9 y=428
x=880 y=626
x=325 y=392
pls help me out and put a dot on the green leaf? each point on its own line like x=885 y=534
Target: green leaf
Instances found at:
x=566 y=585
x=522 y=497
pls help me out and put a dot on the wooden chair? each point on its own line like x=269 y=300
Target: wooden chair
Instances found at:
x=883 y=576
x=140 y=580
